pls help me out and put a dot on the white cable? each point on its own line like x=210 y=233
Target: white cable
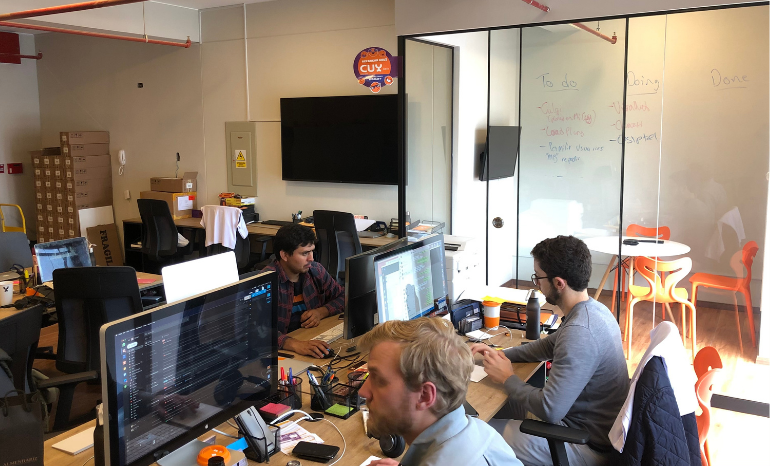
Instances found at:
x=226 y=435
x=344 y=443
x=289 y=413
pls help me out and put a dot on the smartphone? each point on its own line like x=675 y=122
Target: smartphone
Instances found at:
x=315 y=451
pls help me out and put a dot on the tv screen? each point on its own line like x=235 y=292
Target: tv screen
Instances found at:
x=502 y=151
x=350 y=139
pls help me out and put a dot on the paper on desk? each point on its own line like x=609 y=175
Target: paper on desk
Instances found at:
x=369 y=460
x=78 y=443
x=292 y=434
x=363 y=223
x=479 y=335
x=478 y=373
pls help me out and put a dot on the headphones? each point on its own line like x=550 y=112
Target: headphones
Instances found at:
x=391 y=445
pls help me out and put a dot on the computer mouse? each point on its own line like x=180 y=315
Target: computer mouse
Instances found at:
x=330 y=354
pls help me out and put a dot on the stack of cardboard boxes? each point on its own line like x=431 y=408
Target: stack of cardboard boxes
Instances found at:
x=179 y=193
x=77 y=175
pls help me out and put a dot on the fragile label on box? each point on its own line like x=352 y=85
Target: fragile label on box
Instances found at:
x=184 y=203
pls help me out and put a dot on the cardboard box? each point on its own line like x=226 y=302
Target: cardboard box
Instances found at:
x=180 y=204
x=87 y=173
x=37 y=155
x=85 y=137
x=80 y=184
x=90 y=161
x=107 y=250
x=92 y=198
x=39 y=206
x=187 y=183
x=235 y=202
x=78 y=150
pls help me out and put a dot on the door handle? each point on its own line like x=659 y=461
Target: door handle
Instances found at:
x=497 y=222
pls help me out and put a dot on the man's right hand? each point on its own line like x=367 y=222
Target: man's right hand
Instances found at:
x=314 y=348
x=480 y=348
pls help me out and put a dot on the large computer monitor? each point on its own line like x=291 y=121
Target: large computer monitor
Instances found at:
x=360 y=292
x=172 y=373
x=410 y=280
x=63 y=254
x=180 y=281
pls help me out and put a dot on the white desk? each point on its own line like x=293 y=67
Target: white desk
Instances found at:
x=609 y=245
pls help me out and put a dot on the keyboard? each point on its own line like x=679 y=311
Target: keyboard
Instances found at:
x=331 y=335
x=278 y=223
x=151 y=440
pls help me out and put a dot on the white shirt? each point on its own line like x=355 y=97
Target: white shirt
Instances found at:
x=221 y=223
x=666 y=343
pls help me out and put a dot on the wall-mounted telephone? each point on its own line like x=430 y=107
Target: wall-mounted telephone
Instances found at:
x=122 y=160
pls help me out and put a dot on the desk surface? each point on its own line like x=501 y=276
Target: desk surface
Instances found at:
x=9 y=311
x=262 y=229
x=486 y=396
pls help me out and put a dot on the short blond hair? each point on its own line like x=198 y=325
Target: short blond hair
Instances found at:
x=431 y=351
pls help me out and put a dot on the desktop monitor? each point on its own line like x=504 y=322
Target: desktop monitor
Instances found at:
x=63 y=254
x=172 y=373
x=180 y=281
x=360 y=293
x=409 y=280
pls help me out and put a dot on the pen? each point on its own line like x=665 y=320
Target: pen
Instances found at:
x=291 y=377
x=283 y=374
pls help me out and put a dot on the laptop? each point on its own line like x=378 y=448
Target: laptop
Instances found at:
x=66 y=253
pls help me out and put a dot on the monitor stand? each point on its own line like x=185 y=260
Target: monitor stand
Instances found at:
x=188 y=455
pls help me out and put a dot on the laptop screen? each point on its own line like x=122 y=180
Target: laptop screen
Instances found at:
x=66 y=254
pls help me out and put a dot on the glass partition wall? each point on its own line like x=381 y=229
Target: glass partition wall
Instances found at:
x=662 y=134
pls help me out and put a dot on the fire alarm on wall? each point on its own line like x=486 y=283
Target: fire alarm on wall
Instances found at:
x=15 y=168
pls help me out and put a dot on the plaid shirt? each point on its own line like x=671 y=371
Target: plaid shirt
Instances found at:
x=318 y=289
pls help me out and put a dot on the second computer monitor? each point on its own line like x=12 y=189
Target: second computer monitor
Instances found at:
x=410 y=280
x=360 y=294
x=63 y=254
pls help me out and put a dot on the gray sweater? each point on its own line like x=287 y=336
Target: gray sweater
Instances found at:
x=588 y=382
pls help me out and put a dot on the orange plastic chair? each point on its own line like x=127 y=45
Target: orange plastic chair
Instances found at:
x=736 y=285
x=662 y=289
x=707 y=365
x=637 y=231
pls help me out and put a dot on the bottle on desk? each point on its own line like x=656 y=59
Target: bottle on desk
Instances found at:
x=533 y=316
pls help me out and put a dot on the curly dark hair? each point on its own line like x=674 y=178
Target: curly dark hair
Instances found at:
x=566 y=257
x=290 y=237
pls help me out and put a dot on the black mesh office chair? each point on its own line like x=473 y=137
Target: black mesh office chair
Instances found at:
x=87 y=298
x=242 y=251
x=338 y=240
x=159 y=233
x=19 y=335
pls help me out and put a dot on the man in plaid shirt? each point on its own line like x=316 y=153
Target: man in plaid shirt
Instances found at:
x=306 y=291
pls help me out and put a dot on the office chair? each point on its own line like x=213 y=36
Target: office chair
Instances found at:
x=19 y=335
x=159 y=233
x=338 y=240
x=214 y=214
x=86 y=299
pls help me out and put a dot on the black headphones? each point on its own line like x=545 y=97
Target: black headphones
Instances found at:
x=392 y=445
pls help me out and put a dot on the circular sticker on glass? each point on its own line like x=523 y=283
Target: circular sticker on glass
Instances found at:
x=374 y=68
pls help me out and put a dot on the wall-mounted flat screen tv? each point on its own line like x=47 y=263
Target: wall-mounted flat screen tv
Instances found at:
x=349 y=139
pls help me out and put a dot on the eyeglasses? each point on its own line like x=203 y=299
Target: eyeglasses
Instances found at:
x=535 y=278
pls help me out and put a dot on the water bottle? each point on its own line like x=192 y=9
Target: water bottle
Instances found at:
x=533 y=316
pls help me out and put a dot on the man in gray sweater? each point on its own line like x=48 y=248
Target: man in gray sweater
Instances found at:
x=588 y=382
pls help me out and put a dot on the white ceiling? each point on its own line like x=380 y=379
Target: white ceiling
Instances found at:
x=196 y=4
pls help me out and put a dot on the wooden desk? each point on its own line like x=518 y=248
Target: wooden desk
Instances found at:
x=254 y=229
x=9 y=311
x=485 y=396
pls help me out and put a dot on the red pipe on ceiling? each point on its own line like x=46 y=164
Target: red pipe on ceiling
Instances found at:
x=611 y=40
x=51 y=10
x=94 y=34
x=16 y=55
x=537 y=5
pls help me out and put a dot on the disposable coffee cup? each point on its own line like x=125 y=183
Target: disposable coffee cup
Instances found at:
x=491 y=315
x=6 y=293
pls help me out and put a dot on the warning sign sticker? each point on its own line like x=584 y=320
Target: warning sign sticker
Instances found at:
x=240 y=159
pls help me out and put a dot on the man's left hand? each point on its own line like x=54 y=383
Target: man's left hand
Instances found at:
x=497 y=366
x=385 y=462
x=313 y=317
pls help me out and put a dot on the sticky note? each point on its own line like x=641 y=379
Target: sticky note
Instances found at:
x=339 y=410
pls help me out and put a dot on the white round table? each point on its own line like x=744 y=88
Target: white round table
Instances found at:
x=609 y=245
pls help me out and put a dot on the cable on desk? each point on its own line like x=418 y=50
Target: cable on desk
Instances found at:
x=86 y=461
x=344 y=443
x=226 y=435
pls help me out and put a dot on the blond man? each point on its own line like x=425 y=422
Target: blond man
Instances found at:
x=418 y=376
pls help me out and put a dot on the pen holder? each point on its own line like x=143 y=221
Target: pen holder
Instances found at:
x=320 y=399
x=291 y=394
x=356 y=378
x=345 y=401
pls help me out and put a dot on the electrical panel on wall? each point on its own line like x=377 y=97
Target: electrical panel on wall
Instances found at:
x=241 y=157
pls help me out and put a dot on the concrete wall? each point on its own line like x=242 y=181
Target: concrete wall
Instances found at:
x=19 y=134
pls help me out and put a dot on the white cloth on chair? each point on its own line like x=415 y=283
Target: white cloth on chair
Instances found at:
x=716 y=246
x=666 y=343
x=221 y=223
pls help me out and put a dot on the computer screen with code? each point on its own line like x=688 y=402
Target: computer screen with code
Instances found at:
x=176 y=372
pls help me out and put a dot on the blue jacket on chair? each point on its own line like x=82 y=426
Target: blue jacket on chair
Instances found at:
x=658 y=435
